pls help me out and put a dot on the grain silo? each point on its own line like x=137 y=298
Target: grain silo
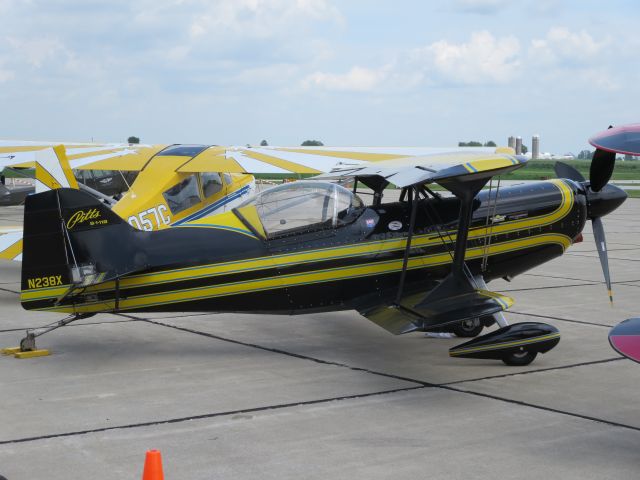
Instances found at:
x=535 y=147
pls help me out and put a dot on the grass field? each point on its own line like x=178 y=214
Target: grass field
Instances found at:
x=543 y=169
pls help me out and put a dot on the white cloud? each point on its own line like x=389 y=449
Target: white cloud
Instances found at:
x=483 y=59
x=392 y=77
x=600 y=78
x=484 y=7
x=5 y=73
x=265 y=76
x=5 y=5
x=260 y=18
x=572 y=58
x=37 y=51
x=560 y=45
x=357 y=79
x=547 y=8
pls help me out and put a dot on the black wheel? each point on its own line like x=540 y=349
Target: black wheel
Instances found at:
x=519 y=359
x=468 y=328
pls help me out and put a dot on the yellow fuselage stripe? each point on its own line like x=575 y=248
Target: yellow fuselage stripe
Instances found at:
x=349 y=251
x=306 y=278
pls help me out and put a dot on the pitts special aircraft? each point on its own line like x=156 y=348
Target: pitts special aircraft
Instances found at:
x=418 y=264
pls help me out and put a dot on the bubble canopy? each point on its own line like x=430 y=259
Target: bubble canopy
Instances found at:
x=305 y=206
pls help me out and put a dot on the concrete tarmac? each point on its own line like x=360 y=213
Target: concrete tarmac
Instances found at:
x=329 y=395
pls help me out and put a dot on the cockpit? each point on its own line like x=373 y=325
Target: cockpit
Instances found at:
x=304 y=206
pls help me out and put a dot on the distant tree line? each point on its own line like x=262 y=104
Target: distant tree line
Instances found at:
x=585 y=155
x=306 y=143
x=474 y=143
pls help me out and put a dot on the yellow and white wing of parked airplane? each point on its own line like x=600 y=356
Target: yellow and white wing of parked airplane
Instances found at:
x=181 y=183
x=51 y=171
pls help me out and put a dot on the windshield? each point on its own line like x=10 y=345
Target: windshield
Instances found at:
x=183 y=195
x=305 y=205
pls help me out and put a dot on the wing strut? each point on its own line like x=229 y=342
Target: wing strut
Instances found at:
x=458 y=297
x=458 y=281
x=413 y=198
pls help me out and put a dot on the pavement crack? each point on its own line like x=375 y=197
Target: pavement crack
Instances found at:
x=209 y=415
x=610 y=258
x=515 y=374
x=541 y=407
x=548 y=287
x=560 y=319
x=284 y=352
x=419 y=386
x=423 y=384
x=560 y=277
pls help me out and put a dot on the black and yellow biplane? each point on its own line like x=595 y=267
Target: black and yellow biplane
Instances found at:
x=420 y=263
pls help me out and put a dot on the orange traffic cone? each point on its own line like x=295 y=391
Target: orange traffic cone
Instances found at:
x=153 y=466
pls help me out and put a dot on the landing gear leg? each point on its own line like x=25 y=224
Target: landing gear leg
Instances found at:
x=28 y=343
x=499 y=316
x=500 y=320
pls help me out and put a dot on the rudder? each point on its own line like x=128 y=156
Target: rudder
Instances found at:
x=71 y=239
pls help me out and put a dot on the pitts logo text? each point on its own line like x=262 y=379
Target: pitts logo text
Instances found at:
x=81 y=216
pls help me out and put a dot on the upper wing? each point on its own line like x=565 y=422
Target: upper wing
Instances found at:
x=280 y=160
x=438 y=168
x=311 y=160
x=80 y=155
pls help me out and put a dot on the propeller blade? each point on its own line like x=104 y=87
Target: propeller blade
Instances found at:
x=601 y=245
x=601 y=169
x=567 y=171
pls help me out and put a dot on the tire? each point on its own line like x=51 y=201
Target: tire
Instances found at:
x=468 y=328
x=519 y=359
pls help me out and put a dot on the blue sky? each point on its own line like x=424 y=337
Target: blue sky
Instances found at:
x=358 y=72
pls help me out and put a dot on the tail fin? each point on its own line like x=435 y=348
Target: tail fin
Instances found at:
x=72 y=240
